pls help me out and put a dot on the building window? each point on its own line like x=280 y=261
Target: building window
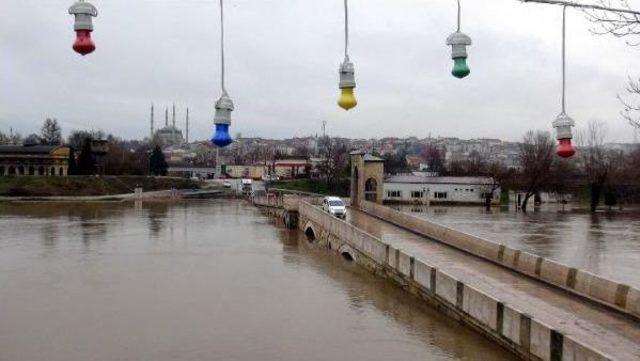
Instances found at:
x=394 y=194
x=32 y=171
x=417 y=194
x=2 y=170
x=440 y=195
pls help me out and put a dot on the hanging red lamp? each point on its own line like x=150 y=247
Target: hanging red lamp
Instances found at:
x=83 y=26
x=563 y=123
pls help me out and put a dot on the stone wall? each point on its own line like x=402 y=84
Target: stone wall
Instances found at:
x=610 y=293
x=510 y=327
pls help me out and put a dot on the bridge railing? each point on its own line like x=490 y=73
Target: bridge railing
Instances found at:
x=610 y=293
x=493 y=315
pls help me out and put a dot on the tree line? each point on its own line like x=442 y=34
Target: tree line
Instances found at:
x=123 y=157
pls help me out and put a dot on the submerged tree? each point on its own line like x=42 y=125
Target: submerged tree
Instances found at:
x=600 y=165
x=535 y=158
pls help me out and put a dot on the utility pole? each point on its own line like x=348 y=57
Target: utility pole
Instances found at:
x=324 y=128
x=151 y=130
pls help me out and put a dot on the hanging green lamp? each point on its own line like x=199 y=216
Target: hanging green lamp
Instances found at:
x=459 y=42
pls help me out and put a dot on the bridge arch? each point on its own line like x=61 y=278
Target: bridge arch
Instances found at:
x=347 y=253
x=310 y=232
x=371 y=190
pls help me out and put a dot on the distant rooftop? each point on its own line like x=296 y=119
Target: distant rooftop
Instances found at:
x=412 y=179
x=27 y=149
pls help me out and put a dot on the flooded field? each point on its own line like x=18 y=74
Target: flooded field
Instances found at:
x=606 y=243
x=207 y=280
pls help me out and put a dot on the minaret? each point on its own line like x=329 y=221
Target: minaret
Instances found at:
x=173 y=122
x=166 y=116
x=173 y=119
x=187 y=127
x=151 y=134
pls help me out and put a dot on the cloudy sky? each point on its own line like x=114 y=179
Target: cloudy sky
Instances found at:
x=283 y=56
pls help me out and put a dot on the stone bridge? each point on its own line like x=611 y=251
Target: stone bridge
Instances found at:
x=537 y=308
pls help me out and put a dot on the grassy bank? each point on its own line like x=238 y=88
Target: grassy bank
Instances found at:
x=34 y=186
x=314 y=186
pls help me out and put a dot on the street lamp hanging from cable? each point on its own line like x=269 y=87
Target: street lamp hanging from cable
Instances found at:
x=347 y=98
x=83 y=26
x=459 y=42
x=224 y=105
x=563 y=123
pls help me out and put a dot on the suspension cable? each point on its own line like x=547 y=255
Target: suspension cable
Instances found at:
x=346 y=29
x=458 y=15
x=564 y=56
x=224 y=90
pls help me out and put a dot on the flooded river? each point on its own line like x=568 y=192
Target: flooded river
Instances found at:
x=605 y=243
x=211 y=280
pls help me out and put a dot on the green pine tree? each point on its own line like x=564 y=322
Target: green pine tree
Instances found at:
x=86 y=164
x=157 y=164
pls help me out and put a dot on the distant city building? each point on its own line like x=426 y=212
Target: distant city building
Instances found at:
x=43 y=160
x=418 y=189
x=169 y=135
x=291 y=168
x=246 y=171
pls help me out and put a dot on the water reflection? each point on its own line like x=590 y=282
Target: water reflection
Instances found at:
x=229 y=286
x=422 y=324
x=607 y=243
x=156 y=215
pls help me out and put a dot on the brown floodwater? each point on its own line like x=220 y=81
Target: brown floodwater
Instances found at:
x=605 y=243
x=210 y=280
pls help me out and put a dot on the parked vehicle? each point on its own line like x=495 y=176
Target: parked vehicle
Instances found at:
x=247 y=186
x=335 y=206
x=226 y=184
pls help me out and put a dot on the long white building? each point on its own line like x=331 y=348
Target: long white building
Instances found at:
x=421 y=189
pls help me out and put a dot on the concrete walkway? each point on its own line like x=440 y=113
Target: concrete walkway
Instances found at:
x=607 y=331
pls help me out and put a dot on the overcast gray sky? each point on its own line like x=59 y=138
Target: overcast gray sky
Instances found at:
x=283 y=56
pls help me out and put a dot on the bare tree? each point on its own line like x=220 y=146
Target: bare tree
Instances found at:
x=501 y=176
x=619 y=24
x=598 y=163
x=77 y=137
x=51 y=133
x=632 y=112
x=335 y=158
x=434 y=158
x=535 y=158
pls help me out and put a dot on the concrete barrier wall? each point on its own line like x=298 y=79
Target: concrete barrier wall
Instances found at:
x=510 y=327
x=610 y=293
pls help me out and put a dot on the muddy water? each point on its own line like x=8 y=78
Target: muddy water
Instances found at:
x=605 y=243
x=199 y=281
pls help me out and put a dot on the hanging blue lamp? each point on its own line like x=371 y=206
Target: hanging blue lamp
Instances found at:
x=224 y=105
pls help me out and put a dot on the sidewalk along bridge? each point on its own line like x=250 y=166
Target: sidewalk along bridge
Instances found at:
x=537 y=308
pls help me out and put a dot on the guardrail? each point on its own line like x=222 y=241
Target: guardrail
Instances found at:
x=613 y=294
x=523 y=333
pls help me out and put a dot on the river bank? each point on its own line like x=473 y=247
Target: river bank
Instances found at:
x=81 y=187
